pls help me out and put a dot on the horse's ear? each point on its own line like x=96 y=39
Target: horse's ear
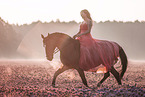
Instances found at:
x=48 y=34
x=42 y=36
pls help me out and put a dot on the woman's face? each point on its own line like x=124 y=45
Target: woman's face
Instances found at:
x=83 y=15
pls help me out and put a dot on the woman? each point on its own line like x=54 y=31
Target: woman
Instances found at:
x=92 y=51
x=87 y=22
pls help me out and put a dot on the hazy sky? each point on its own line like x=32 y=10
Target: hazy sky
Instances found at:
x=27 y=11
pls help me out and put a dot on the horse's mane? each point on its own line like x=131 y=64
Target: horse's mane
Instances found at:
x=59 y=34
x=63 y=38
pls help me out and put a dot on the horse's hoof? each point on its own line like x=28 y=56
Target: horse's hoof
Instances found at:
x=53 y=86
x=87 y=86
x=98 y=85
x=119 y=84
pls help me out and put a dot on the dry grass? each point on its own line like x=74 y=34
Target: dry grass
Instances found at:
x=33 y=78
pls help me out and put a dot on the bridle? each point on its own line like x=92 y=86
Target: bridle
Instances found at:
x=55 y=51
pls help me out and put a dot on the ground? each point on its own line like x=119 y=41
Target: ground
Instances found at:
x=33 y=78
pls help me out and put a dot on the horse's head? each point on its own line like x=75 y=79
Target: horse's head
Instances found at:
x=48 y=43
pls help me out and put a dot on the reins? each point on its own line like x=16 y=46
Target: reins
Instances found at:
x=56 y=50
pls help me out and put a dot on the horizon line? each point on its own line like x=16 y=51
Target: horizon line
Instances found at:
x=73 y=21
x=58 y=21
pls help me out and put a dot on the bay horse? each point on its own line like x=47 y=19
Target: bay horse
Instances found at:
x=70 y=54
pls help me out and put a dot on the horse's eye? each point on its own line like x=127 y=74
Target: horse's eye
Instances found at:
x=44 y=45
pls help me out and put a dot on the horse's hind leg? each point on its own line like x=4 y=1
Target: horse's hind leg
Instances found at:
x=106 y=75
x=116 y=75
x=59 y=71
x=82 y=75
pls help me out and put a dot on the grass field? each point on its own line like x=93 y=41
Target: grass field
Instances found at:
x=31 y=78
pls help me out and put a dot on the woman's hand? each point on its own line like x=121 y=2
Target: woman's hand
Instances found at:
x=74 y=36
x=77 y=35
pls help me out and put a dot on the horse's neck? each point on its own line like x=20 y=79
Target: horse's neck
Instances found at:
x=61 y=40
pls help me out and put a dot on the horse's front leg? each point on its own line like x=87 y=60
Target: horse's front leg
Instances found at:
x=82 y=75
x=106 y=75
x=59 y=71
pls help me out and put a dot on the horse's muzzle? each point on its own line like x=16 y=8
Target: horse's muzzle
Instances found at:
x=49 y=58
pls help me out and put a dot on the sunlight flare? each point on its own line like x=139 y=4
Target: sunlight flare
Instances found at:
x=102 y=70
x=9 y=71
x=71 y=75
x=56 y=64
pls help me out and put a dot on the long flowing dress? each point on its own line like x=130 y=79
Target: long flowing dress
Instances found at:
x=94 y=52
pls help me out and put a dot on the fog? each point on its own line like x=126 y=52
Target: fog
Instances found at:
x=25 y=42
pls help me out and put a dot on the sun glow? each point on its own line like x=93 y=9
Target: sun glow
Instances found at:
x=56 y=64
x=102 y=70
x=15 y=11
x=71 y=75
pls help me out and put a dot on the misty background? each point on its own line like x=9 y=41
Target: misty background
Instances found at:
x=25 y=42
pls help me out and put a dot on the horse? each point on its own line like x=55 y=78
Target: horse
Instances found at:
x=70 y=54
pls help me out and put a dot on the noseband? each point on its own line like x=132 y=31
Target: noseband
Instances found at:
x=56 y=50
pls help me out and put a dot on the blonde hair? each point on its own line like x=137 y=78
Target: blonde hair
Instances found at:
x=87 y=13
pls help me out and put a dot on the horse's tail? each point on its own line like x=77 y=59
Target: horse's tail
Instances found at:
x=124 y=61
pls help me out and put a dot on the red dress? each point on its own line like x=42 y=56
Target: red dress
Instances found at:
x=94 y=52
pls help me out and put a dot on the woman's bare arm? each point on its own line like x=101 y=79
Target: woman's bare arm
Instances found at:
x=89 y=24
x=76 y=34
